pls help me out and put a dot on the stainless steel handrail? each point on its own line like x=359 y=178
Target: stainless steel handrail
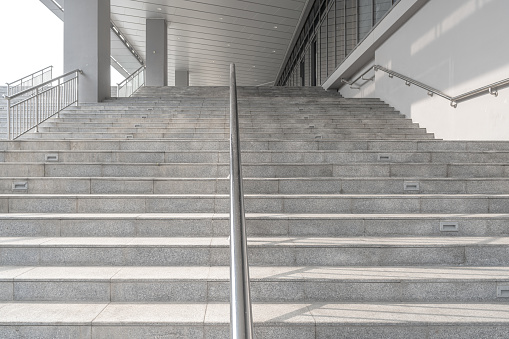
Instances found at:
x=489 y=89
x=352 y=83
x=29 y=78
x=241 y=319
x=131 y=79
x=39 y=103
x=44 y=84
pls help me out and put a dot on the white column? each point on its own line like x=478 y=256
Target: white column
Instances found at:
x=157 y=52
x=87 y=46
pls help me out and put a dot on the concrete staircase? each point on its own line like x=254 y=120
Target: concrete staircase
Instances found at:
x=114 y=221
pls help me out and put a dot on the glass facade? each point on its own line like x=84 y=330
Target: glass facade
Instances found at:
x=331 y=31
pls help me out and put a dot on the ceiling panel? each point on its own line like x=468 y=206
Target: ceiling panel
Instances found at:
x=205 y=36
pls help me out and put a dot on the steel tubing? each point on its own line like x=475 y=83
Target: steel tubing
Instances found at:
x=241 y=320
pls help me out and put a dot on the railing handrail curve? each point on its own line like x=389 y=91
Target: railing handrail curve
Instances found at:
x=241 y=319
x=29 y=75
x=43 y=84
x=488 y=89
x=352 y=82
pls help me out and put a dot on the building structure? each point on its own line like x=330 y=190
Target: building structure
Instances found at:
x=325 y=42
x=115 y=215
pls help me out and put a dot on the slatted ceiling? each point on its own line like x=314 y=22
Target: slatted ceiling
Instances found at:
x=219 y=52
x=248 y=26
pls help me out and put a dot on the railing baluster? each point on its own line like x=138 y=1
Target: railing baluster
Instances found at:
x=130 y=84
x=43 y=102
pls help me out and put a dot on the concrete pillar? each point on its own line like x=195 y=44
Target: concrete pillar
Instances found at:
x=181 y=78
x=87 y=46
x=157 y=52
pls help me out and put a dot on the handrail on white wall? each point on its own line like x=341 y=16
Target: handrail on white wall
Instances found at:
x=488 y=89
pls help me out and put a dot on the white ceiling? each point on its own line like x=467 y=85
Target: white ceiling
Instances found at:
x=205 y=36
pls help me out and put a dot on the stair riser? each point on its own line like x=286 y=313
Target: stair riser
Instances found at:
x=182 y=145
x=281 y=255
x=314 y=157
x=222 y=331
x=244 y=131
x=267 y=204
x=215 y=170
x=261 y=291
x=219 y=227
x=47 y=185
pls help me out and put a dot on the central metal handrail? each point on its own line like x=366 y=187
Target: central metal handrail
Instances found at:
x=28 y=108
x=29 y=81
x=241 y=319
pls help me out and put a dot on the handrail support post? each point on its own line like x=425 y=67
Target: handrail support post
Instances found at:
x=37 y=118
x=8 y=118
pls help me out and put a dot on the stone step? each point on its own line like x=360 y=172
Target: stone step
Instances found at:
x=172 y=136
x=268 y=284
x=181 y=123
x=258 y=224
x=246 y=131
x=260 y=145
x=223 y=136
x=251 y=156
x=165 y=185
x=257 y=203
x=205 y=113
x=292 y=320
x=263 y=251
x=252 y=170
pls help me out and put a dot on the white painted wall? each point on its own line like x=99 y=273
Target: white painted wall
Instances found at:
x=454 y=46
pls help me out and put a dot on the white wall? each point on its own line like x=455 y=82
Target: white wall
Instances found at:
x=454 y=46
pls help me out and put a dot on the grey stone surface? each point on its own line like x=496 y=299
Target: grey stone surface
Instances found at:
x=146 y=331
x=59 y=186
x=6 y=291
x=374 y=204
x=110 y=204
x=98 y=228
x=19 y=256
x=81 y=256
x=326 y=227
x=169 y=291
x=28 y=227
x=121 y=187
x=61 y=291
x=454 y=204
x=387 y=332
x=44 y=331
x=42 y=204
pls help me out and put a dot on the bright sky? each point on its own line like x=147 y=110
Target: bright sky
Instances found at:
x=32 y=38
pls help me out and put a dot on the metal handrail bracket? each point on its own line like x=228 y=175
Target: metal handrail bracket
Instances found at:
x=241 y=319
